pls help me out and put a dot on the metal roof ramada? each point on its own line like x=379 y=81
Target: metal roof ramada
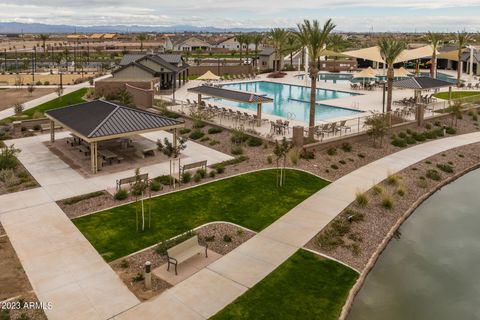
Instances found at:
x=245 y=97
x=421 y=83
x=99 y=118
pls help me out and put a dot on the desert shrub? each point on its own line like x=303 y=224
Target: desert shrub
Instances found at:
x=211 y=174
x=332 y=151
x=387 y=202
x=461 y=155
x=353 y=216
x=238 y=137
x=8 y=177
x=475 y=117
x=254 y=142
x=18 y=108
x=341 y=226
x=361 y=198
x=428 y=126
x=165 y=180
x=37 y=127
x=214 y=142
x=155 y=186
x=307 y=155
x=393 y=180
x=450 y=130
x=202 y=173
x=328 y=240
x=428 y=162
x=354 y=236
x=38 y=115
x=121 y=194
x=138 y=277
x=220 y=169
x=124 y=264
x=197 y=177
x=433 y=174
x=419 y=136
x=198 y=124
x=422 y=183
x=361 y=155
x=214 y=130
x=204 y=139
x=269 y=159
x=410 y=140
x=210 y=238
x=227 y=238
x=445 y=167
x=334 y=167
x=186 y=177
x=402 y=135
x=185 y=130
x=195 y=135
x=236 y=150
x=401 y=143
x=8 y=157
x=347 y=147
x=401 y=191
x=83 y=197
x=377 y=189
x=294 y=155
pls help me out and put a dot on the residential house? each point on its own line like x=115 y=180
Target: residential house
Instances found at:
x=267 y=60
x=192 y=44
x=232 y=44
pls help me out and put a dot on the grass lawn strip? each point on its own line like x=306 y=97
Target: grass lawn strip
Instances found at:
x=457 y=94
x=306 y=286
x=251 y=200
x=63 y=101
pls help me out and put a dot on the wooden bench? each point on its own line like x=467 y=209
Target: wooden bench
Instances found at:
x=131 y=180
x=193 y=165
x=184 y=251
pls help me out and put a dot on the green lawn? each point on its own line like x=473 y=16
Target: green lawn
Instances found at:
x=305 y=286
x=251 y=200
x=456 y=94
x=68 y=99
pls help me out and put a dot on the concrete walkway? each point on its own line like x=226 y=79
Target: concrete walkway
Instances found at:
x=66 y=270
x=213 y=288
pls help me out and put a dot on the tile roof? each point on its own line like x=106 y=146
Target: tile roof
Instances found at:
x=99 y=118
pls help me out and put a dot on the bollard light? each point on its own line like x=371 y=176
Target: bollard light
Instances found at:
x=148 y=275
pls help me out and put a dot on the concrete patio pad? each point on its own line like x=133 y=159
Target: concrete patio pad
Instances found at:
x=185 y=269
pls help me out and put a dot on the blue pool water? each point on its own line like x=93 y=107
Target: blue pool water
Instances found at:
x=290 y=100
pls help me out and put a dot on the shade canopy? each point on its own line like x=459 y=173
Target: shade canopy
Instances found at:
x=232 y=95
x=422 y=83
x=373 y=54
x=104 y=120
x=209 y=76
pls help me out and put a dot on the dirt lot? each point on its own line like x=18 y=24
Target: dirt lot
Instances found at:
x=13 y=280
x=10 y=96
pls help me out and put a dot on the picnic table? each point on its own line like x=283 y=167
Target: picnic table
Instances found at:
x=107 y=155
x=145 y=147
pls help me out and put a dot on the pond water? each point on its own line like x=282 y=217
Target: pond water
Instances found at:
x=433 y=270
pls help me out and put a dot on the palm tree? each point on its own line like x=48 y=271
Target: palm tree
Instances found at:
x=390 y=49
x=278 y=37
x=335 y=42
x=241 y=41
x=435 y=39
x=257 y=38
x=247 y=38
x=313 y=38
x=462 y=39
x=292 y=45
x=142 y=37
x=44 y=37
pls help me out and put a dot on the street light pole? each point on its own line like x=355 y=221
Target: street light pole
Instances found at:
x=383 y=98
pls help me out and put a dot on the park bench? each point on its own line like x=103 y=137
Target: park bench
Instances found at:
x=46 y=127
x=184 y=251
x=199 y=164
x=131 y=180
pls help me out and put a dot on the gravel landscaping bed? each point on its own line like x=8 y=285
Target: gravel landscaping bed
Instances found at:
x=213 y=234
x=24 y=313
x=354 y=242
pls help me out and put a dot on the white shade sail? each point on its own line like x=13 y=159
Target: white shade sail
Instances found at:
x=208 y=76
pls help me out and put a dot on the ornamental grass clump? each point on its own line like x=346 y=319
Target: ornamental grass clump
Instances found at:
x=361 y=198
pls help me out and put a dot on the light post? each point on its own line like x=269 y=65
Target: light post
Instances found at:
x=384 y=83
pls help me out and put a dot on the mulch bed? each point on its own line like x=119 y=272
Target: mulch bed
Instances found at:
x=362 y=239
x=127 y=268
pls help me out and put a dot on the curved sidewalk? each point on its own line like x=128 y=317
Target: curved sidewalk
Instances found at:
x=213 y=288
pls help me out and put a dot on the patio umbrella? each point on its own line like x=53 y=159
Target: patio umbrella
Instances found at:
x=401 y=73
x=364 y=75
x=371 y=71
x=209 y=76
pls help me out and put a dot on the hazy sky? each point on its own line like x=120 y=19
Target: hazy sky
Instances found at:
x=349 y=15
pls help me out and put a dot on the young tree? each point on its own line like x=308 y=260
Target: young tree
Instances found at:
x=313 y=38
x=281 y=150
x=279 y=38
x=30 y=89
x=456 y=110
x=138 y=190
x=18 y=108
x=142 y=37
x=257 y=39
x=390 y=50
x=377 y=128
x=462 y=39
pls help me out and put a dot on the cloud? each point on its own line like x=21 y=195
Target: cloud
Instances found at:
x=349 y=15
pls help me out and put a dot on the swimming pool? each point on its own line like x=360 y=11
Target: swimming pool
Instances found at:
x=290 y=101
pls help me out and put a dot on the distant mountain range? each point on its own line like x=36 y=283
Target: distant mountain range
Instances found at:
x=18 y=27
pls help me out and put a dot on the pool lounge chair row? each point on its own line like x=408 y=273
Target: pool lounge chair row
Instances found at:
x=331 y=128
